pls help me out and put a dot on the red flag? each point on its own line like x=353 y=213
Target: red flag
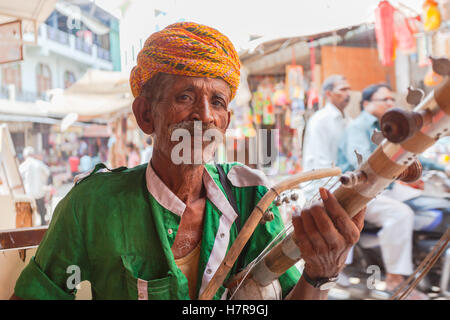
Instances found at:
x=384 y=32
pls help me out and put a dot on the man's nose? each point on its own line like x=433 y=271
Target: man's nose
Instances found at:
x=202 y=111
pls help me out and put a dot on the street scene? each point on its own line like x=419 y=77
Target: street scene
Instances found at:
x=263 y=150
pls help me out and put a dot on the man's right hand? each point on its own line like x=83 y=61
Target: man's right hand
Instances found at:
x=325 y=235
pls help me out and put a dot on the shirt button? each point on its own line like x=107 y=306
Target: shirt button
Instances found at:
x=208 y=271
x=170 y=231
x=222 y=235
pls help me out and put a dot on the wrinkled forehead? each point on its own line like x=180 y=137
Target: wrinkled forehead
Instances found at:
x=213 y=85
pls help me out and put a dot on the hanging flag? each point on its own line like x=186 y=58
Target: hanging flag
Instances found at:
x=384 y=32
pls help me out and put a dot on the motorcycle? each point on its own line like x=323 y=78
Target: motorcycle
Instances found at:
x=429 y=198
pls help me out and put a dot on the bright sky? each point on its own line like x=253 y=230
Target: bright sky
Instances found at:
x=240 y=18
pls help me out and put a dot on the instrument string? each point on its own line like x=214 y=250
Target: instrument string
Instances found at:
x=286 y=230
x=409 y=284
x=316 y=195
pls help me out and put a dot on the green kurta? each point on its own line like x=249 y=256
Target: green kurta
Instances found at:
x=120 y=236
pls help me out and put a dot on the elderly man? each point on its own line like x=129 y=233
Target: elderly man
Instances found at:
x=160 y=230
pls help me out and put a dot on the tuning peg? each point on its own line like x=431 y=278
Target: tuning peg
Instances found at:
x=278 y=201
x=352 y=179
x=412 y=173
x=294 y=196
x=398 y=124
x=359 y=157
x=267 y=217
x=377 y=137
x=414 y=96
x=441 y=66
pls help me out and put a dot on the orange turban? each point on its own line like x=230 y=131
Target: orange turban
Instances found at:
x=187 y=49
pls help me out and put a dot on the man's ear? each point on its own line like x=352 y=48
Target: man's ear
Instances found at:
x=142 y=112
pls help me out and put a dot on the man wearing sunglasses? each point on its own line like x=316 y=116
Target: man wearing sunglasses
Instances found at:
x=395 y=218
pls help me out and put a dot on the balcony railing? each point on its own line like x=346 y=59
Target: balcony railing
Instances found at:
x=74 y=42
x=83 y=46
x=103 y=54
x=57 y=35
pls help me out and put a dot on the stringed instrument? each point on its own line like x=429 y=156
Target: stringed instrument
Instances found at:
x=405 y=135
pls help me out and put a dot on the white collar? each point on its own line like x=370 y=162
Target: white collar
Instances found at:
x=171 y=202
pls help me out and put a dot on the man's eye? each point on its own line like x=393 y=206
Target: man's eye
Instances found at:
x=184 y=97
x=219 y=103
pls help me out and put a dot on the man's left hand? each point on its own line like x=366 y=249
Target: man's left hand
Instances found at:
x=325 y=234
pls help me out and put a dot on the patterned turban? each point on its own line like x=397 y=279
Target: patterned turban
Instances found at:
x=187 y=49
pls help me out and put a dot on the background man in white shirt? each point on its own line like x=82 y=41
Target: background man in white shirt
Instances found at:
x=325 y=128
x=35 y=175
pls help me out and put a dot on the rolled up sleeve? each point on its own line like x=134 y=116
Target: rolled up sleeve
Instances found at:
x=51 y=274
x=34 y=284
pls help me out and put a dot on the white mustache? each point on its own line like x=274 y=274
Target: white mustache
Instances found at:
x=192 y=126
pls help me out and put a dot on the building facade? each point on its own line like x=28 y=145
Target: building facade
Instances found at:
x=76 y=37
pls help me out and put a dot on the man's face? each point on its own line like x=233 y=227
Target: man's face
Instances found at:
x=187 y=108
x=340 y=95
x=382 y=100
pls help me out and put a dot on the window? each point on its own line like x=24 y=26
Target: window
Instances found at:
x=12 y=75
x=43 y=78
x=69 y=79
